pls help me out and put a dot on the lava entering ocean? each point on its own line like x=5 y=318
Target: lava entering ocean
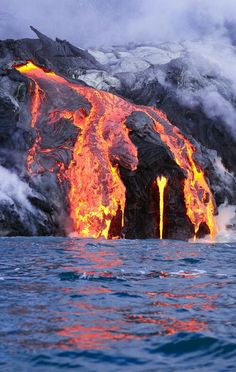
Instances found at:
x=96 y=190
x=161 y=182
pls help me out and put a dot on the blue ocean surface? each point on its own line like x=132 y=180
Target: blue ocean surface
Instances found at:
x=98 y=305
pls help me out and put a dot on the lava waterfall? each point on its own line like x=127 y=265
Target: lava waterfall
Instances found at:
x=109 y=155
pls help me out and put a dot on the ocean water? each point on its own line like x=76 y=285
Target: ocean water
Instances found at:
x=97 y=305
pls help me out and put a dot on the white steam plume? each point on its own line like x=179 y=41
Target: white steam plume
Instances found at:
x=100 y=22
x=226 y=218
x=14 y=191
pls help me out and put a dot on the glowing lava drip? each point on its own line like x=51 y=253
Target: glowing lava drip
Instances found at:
x=161 y=183
x=96 y=189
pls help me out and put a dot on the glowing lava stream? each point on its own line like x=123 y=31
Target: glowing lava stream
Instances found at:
x=96 y=188
x=161 y=183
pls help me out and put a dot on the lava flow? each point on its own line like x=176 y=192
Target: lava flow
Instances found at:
x=161 y=183
x=96 y=190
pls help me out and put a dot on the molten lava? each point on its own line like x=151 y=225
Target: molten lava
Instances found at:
x=96 y=190
x=161 y=183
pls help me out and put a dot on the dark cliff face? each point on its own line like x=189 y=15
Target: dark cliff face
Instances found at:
x=212 y=133
x=38 y=204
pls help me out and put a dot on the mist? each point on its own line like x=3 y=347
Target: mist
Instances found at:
x=15 y=191
x=109 y=22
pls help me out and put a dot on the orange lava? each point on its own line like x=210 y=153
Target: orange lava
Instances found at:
x=96 y=189
x=161 y=183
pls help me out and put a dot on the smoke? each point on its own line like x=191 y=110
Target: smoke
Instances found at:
x=211 y=63
x=226 y=218
x=14 y=191
x=105 y=22
x=226 y=177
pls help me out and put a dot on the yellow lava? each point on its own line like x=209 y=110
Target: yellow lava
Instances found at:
x=161 y=183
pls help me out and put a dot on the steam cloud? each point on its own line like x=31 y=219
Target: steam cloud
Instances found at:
x=14 y=191
x=105 y=22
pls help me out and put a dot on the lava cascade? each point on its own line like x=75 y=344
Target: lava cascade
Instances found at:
x=161 y=183
x=96 y=190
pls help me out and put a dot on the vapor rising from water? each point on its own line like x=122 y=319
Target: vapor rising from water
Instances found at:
x=226 y=218
x=14 y=191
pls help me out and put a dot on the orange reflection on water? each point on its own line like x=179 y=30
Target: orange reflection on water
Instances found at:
x=200 y=300
x=209 y=284
x=189 y=295
x=97 y=325
x=171 y=325
x=92 y=337
x=95 y=260
x=186 y=301
x=100 y=332
x=96 y=290
x=99 y=258
x=93 y=328
x=174 y=305
x=178 y=254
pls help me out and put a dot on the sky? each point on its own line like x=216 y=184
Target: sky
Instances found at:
x=109 y=22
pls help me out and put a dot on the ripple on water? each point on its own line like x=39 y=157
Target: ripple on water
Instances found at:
x=104 y=305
